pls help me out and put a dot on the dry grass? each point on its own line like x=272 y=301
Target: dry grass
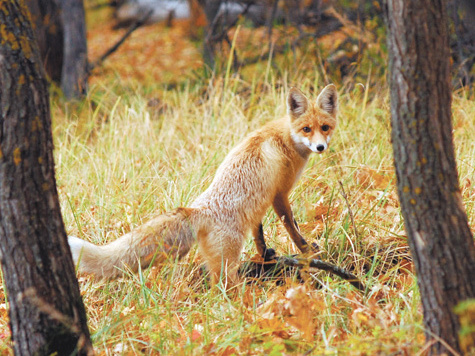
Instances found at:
x=120 y=159
x=122 y=162
x=129 y=152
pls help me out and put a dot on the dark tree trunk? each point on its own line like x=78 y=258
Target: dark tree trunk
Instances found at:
x=46 y=17
x=46 y=312
x=60 y=28
x=436 y=223
x=463 y=42
x=75 y=74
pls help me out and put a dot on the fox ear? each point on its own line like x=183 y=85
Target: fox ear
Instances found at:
x=297 y=103
x=328 y=100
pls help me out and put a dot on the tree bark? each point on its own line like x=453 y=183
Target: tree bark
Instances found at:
x=75 y=66
x=60 y=28
x=46 y=18
x=436 y=223
x=46 y=312
x=462 y=43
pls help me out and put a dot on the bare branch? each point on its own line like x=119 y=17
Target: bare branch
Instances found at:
x=279 y=265
x=325 y=266
x=116 y=46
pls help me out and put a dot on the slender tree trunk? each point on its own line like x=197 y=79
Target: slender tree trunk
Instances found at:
x=46 y=312
x=436 y=223
x=48 y=28
x=211 y=9
x=75 y=66
x=60 y=28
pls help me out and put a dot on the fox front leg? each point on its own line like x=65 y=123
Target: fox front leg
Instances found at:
x=282 y=208
x=267 y=253
x=296 y=225
x=313 y=245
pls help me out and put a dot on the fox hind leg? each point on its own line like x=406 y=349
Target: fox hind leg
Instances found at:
x=221 y=255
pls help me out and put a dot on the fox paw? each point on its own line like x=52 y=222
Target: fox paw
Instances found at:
x=269 y=254
x=310 y=250
x=314 y=247
x=313 y=250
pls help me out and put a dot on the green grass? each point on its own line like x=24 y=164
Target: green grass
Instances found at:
x=119 y=161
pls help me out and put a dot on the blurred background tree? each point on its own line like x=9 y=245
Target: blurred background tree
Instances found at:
x=60 y=29
x=283 y=25
x=307 y=20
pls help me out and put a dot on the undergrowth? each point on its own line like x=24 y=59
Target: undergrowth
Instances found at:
x=126 y=153
x=121 y=159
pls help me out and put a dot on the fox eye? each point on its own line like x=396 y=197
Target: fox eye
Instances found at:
x=325 y=128
x=306 y=129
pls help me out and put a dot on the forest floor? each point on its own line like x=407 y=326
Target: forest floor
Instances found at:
x=149 y=137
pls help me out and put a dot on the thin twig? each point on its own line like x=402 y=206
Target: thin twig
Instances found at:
x=270 y=20
x=350 y=212
x=213 y=37
x=276 y=49
x=236 y=61
x=116 y=46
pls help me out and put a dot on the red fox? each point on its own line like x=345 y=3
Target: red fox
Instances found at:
x=257 y=173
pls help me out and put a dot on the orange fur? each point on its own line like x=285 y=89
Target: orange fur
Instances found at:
x=257 y=173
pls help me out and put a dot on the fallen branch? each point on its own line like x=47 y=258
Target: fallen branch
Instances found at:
x=281 y=264
x=280 y=49
x=325 y=266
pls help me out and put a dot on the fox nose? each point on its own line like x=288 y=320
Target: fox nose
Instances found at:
x=320 y=148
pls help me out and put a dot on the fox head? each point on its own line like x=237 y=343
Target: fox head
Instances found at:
x=312 y=122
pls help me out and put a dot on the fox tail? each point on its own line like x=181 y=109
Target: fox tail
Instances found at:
x=169 y=234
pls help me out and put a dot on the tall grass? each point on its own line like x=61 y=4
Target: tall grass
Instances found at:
x=124 y=155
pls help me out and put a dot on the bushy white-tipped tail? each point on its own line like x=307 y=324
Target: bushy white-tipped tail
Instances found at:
x=167 y=234
x=77 y=247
